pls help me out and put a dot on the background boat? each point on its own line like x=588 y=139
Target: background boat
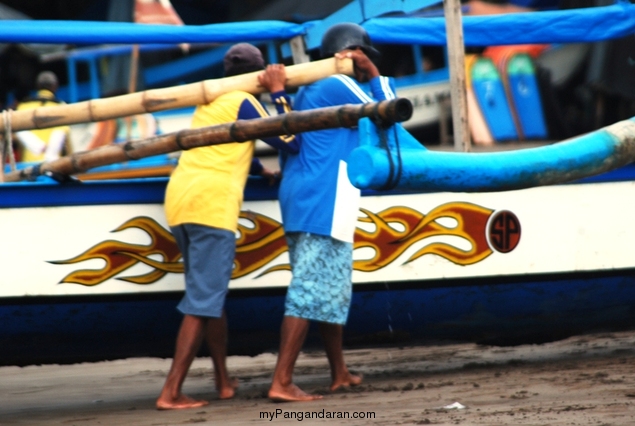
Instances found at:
x=90 y=272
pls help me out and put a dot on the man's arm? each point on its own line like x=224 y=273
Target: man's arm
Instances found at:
x=273 y=79
x=366 y=71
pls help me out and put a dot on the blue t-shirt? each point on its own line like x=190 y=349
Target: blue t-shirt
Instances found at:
x=315 y=194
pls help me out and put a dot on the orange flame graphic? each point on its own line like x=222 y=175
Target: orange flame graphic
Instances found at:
x=259 y=243
x=121 y=256
x=389 y=243
x=257 y=246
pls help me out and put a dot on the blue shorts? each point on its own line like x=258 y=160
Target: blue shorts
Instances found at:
x=208 y=257
x=321 y=287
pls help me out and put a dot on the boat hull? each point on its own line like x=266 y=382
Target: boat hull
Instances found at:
x=100 y=278
x=502 y=311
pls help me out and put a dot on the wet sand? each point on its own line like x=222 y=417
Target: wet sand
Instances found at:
x=583 y=380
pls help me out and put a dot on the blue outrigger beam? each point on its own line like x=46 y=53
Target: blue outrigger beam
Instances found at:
x=392 y=158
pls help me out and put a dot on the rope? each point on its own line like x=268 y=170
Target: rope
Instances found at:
x=6 y=116
x=393 y=176
x=400 y=168
x=383 y=142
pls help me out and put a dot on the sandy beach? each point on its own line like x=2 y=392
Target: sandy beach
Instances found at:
x=582 y=380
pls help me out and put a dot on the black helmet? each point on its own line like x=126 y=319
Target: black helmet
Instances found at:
x=346 y=36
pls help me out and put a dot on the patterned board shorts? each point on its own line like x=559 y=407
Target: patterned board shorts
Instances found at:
x=208 y=258
x=321 y=286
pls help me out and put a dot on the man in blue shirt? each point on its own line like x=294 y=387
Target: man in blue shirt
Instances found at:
x=319 y=213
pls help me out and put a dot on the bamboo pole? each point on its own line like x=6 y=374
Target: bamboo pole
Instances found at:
x=396 y=110
x=154 y=100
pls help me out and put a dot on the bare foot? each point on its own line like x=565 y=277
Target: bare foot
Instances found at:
x=290 y=393
x=346 y=381
x=179 y=403
x=227 y=391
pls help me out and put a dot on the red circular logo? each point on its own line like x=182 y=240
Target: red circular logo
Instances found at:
x=504 y=231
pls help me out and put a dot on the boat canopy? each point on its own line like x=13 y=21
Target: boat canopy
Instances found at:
x=84 y=32
x=563 y=26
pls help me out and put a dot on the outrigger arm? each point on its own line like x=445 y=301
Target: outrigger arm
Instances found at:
x=393 y=158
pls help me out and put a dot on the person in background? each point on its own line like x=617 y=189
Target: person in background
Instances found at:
x=44 y=144
x=319 y=209
x=202 y=205
x=122 y=129
x=118 y=130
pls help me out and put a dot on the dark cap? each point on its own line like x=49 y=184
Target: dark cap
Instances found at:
x=46 y=80
x=242 y=58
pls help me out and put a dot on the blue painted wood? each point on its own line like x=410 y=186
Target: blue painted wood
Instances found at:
x=46 y=192
x=72 y=78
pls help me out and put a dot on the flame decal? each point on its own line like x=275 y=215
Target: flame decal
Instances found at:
x=389 y=243
x=261 y=241
x=257 y=246
x=121 y=256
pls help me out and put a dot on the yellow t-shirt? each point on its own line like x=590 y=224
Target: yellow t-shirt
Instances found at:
x=207 y=186
x=44 y=98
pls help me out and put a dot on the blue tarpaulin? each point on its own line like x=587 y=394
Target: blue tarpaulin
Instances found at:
x=83 y=32
x=565 y=26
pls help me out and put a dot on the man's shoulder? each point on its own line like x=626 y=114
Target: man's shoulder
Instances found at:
x=26 y=104
x=35 y=102
x=230 y=100
x=331 y=85
x=234 y=96
x=337 y=80
x=222 y=109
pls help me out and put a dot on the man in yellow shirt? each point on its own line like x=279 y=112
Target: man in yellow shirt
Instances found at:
x=44 y=144
x=202 y=204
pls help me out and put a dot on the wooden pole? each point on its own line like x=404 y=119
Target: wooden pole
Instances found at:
x=456 y=63
x=153 y=100
x=396 y=110
x=2 y=157
x=132 y=84
x=298 y=50
x=6 y=147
